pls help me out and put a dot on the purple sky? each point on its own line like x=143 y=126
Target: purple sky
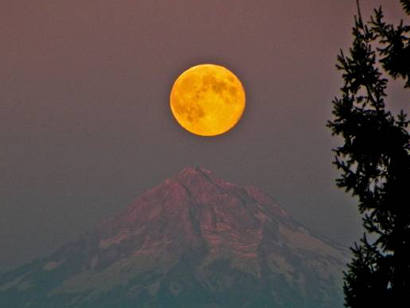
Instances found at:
x=85 y=124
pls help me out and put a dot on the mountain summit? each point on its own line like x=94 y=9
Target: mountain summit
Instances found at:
x=193 y=241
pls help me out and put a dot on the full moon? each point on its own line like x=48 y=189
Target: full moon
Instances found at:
x=207 y=100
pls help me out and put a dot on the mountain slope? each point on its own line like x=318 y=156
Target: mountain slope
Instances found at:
x=193 y=241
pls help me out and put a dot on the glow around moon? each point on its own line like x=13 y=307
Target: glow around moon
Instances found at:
x=207 y=100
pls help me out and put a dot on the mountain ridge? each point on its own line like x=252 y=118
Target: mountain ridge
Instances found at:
x=194 y=239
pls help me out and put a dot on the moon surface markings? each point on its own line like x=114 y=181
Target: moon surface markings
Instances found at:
x=207 y=100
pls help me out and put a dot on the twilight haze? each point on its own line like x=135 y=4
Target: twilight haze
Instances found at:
x=85 y=124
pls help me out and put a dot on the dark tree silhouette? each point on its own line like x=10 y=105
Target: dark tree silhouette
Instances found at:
x=374 y=161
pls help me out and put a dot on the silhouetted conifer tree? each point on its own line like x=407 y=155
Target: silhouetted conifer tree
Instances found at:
x=374 y=161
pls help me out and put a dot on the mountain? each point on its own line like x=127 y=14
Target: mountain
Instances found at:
x=193 y=241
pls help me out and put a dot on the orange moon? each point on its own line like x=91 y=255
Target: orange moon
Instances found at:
x=207 y=100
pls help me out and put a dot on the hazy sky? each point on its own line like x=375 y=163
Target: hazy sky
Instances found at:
x=85 y=124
